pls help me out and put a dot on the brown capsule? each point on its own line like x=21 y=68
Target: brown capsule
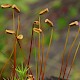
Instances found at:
x=16 y=8
x=20 y=37
x=49 y=22
x=30 y=77
x=6 y=5
x=36 y=22
x=10 y=31
x=74 y=23
x=44 y=11
x=38 y=30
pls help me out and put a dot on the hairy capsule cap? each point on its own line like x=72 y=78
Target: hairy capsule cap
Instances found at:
x=44 y=11
x=49 y=22
x=6 y=5
x=74 y=23
x=20 y=37
x=16 y=8
x=36 y=22
x=38 y=30
x=10 y=31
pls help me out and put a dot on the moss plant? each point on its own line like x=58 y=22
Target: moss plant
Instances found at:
x=25 y=73
x=17 y=37
x=73 y=60
x=71 y=47
x=68 y=33
x=21 y=72
x=47 y=54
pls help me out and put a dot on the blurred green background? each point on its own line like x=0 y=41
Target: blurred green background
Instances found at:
x=61 y=13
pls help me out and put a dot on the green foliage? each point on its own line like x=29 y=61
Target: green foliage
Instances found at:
x=61 y=23
x=55 y=36
x=22 y=4
x=73 y=11
x=31 y=1
x=46 y=40
x=21 y=71
x=75 y=75
x=56 y=4
x=34 y=51
x=2 y=58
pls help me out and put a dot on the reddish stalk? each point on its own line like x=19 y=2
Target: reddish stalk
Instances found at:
x=47 y=55
x=18 y=29
x=14 y=52
x=70 y=53
x=42 y=55
x=30 y=49
x=64 y=52
x=73 y=60
x=38 y=30
x=35 y=57
x=39 y=60
x=43 y=48
x=14 y=71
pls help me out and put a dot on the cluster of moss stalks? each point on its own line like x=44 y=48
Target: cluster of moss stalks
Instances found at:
x=25 y=73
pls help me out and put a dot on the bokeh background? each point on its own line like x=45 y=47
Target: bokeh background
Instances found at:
x=61 y=13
